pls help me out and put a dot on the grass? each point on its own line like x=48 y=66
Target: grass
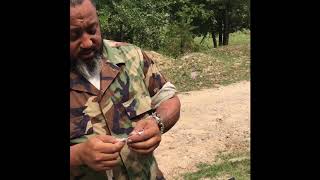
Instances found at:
x=212 y=66
x=239 y=37
x=226 y=166
x=235 y=60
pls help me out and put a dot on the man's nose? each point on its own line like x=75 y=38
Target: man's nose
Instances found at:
x=86 y=41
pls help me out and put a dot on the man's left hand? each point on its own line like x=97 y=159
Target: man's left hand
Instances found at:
x=145 y=137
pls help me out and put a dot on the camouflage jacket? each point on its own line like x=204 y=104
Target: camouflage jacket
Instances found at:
x=128 y=81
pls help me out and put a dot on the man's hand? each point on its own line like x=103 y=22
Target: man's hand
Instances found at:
x=145 y=137
x=99 y=153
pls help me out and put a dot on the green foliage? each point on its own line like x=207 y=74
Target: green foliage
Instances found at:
x=137 y=22
x=178 y=40
x=170 y=25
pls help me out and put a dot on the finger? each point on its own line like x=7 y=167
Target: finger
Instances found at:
x=109 y=148
x=119 y=145
x=106 y=157
x=109 y=163
x=147 y=134
x=140 y=126
x=145 y=151
x=146 y=144
x=100 y=168
x=105 y=165
x=107 y=139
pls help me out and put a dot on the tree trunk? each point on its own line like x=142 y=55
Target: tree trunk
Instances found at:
x=226 y=39
x=220 y=28
x=214 y=39
x=226 y=25
x=204 y=37
x=220 y=38
x=226 y=31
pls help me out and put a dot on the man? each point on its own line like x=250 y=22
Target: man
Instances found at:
x=120 y=104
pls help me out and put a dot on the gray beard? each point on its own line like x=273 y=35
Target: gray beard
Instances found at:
x=91 y=68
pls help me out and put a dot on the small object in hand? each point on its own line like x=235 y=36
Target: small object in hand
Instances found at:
x=140 y=132
x=134 y=133
x=122 y=139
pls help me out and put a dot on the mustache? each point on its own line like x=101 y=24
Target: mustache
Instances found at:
x=87 y=50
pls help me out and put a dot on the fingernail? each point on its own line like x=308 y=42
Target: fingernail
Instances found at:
x=129 y=140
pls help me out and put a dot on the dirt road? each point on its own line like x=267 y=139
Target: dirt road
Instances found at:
x=212 y=121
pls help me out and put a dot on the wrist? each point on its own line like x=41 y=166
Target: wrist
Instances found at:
x=75 y=155
x=159 y=122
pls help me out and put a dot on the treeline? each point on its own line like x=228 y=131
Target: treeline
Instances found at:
x=170 y=26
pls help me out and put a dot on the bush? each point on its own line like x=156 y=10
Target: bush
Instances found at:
x=178 y=40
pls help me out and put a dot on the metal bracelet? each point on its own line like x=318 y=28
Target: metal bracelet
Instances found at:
x=159 y=122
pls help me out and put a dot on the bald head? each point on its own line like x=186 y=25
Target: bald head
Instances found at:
x=74 y=3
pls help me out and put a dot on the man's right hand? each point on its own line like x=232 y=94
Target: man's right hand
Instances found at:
x=99 y=153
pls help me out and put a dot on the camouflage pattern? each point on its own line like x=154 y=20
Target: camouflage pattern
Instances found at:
x=167 y=91
x=129 y=79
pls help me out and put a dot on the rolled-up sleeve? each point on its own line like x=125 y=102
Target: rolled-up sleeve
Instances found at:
x=154 y=80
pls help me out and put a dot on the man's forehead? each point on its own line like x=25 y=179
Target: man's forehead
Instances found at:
x=86 y=9
x=84 y=13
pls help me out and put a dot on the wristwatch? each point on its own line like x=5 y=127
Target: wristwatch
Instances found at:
x=159 y=121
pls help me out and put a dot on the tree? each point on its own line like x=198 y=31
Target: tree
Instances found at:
x=133 y=21
x=148 y=23
x=220 y=17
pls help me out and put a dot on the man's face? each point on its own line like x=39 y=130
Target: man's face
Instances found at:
x=85 y=35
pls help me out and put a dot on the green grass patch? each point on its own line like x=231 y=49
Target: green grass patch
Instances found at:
x=235 y=165
x=239 y=37
x=210 y=66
